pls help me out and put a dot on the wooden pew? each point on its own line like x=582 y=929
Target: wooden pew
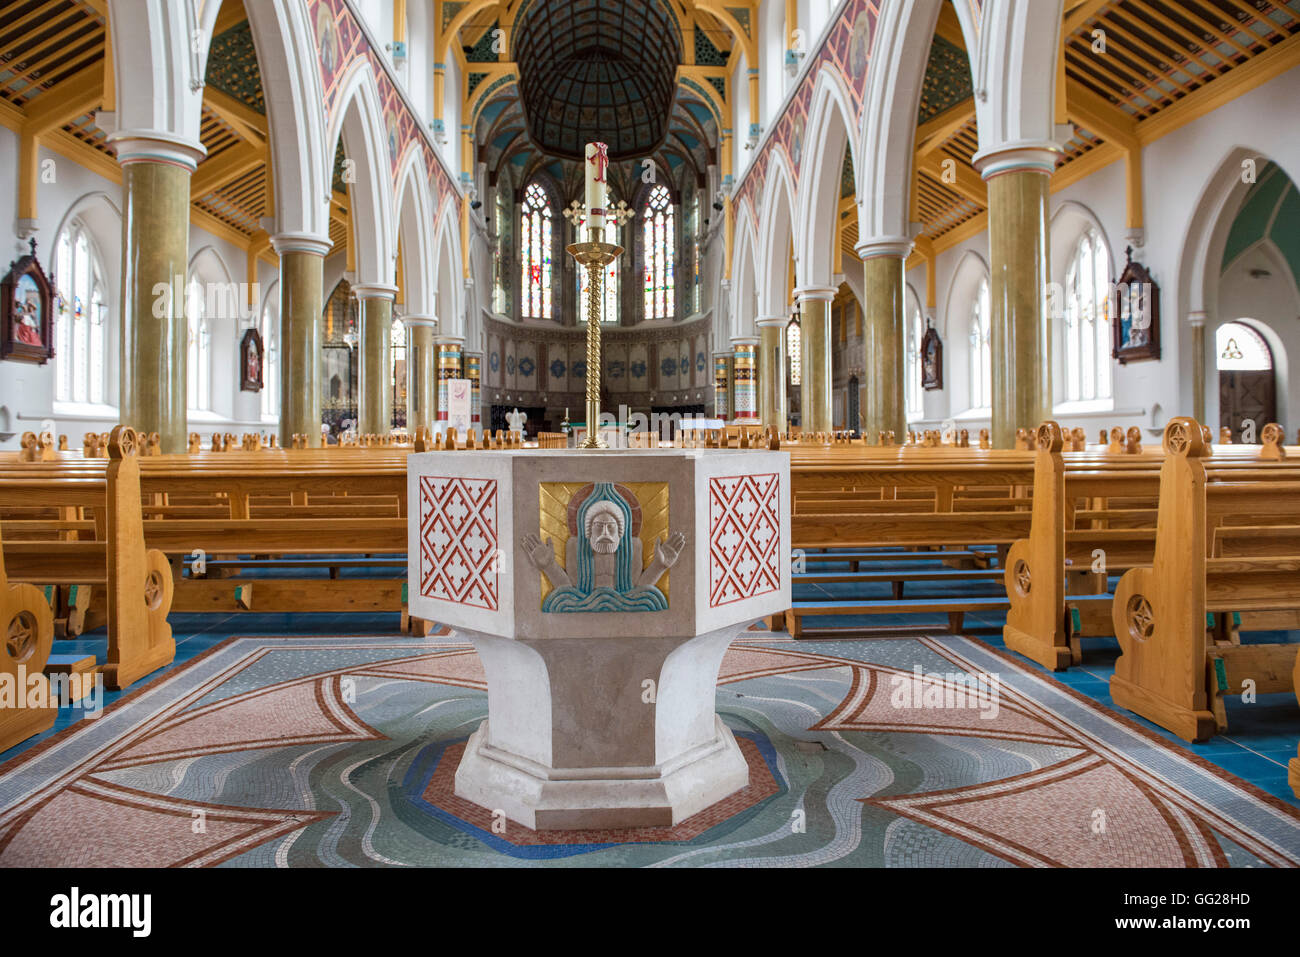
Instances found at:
x=1168 y=671
x=136 y=580
x=869 y=499
x=28 y=639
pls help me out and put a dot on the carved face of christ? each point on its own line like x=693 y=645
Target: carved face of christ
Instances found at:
x=604 y=529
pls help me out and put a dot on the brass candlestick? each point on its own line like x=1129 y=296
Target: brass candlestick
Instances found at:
x=595 y=256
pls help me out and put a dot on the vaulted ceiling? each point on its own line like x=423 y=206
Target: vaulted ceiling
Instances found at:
x=597 y=72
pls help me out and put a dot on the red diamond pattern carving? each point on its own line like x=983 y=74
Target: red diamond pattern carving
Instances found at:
x=458 y=540
x=744 y=537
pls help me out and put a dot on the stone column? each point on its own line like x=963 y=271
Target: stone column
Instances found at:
x=884 y=337
x=815 y=358
x=744 y=399
x=448 y=368
x=375 y=351
x=421 y=390
x=1019 y=326
x=302 y=281
x=771 y=371
x=1197 y=321
x=721 y=385
x=474 y=372
x=156 y=173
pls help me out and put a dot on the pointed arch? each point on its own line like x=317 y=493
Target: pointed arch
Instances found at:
x=830 y=132
x=776 y=225
x=744 y=291
x=901 y=44
x=359 y=120
x=448 y=277
x=414 y=226
x=300 y=166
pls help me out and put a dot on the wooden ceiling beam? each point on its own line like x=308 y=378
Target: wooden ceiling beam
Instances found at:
x=965 y=181
x=238 y=115
x=949 y=27
x=232 y=13
x=1094 y=113
x=215 y=172
x=78 y=94
x=1079 y=12
x=931 y=134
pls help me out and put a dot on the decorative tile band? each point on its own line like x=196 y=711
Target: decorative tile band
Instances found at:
x=746 y=389
x=474 y=372
x=448 y=368
x=720 y=397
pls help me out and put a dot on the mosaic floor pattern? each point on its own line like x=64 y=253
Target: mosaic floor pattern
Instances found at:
x=341 y=752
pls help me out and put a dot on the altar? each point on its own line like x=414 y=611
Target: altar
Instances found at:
x=601 y=589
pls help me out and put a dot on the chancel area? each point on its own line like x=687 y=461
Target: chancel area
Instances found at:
x=674 y=433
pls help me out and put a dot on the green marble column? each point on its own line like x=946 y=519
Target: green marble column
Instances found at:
x=375 y=358
x=155 y=254
x=421 y=374
x=771 y=371
x=1019 y=326
x=302 y=280
x=884 y=339
x=815 y=352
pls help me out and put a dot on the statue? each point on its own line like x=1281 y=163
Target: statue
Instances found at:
x=605 y=550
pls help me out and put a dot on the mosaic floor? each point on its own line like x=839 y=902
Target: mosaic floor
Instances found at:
x=339 y=751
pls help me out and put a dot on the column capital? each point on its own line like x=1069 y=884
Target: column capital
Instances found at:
x=375 y=290
x=722 y=355
x=820 y=293
x=1040 y=156
x=739 y=342
x=300 y=243
x=156 y=146
x=764 y=322
x=1197 y=317
x=897 y=246
x=420 y=319
x=449 y=340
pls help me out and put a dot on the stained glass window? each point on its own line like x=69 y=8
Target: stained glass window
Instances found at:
x=1087 y=320
x=794 y=351
x=198 y=362
x=912 y=366
x=270 y=359
x=657 y=235
x=535 y=253
x=500 y=298
x=399 y=372
x=1239 y=347
x=981 y=356
x=610 y=306
x=79 y=321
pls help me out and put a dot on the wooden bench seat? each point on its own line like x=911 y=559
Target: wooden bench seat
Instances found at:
x=136 y=581
x=1169 y=670
x=954 y=607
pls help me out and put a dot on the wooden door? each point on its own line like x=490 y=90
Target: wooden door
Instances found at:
x=1247 y=395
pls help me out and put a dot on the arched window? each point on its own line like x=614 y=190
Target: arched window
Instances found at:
x=794 y=351
x=981 y=357
x=198 y=357
x=609 y=309
x=1087 y=321
x=912 y=365
x=1240 y=348
x=500 y=301
x=657 y=247
x=399 y=373
x=535 y=253
x=79 y=320
x=270 y=360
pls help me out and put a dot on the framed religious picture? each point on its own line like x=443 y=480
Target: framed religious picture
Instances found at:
x=1135 y=314
x=250 y=361
x=931 y=358
x=27 y=311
